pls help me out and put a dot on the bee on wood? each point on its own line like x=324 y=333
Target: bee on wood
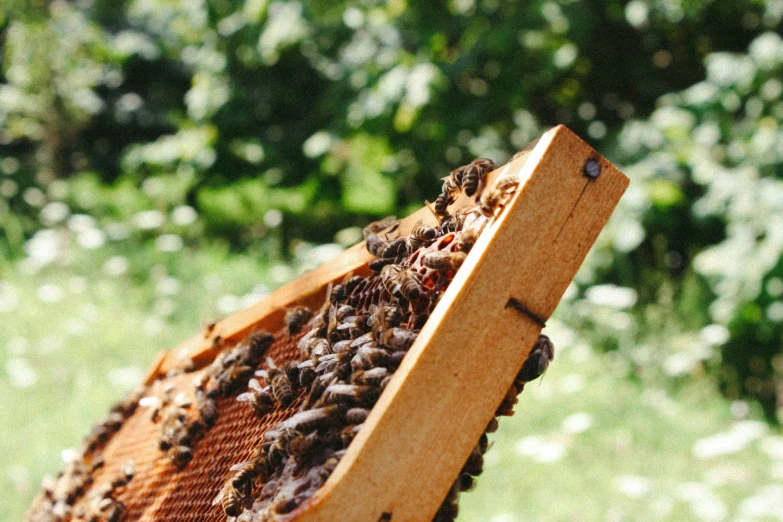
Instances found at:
x=494 y=199
x=259 y=398
x=374 y=243
x=466 y=240
x=296 y=318
x=421 y=235
x=376 y=265
x=442 y=203
x=230 y=378
x=180 y=456
x=397 y=339
x=395 y=248
x=348 y=433
x=475 y=463
x=537 y=362
x=356 y=415
x=443 y=260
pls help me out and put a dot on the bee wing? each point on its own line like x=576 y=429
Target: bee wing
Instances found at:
x=245 y=397
x=364 y=339
x=254 y=385
x=270 y=362
x=219 y=497
x=150 y=401
x=240 y=465
x=263 y=374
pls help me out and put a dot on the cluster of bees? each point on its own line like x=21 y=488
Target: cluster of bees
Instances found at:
x=58 y=494
x=349 y=350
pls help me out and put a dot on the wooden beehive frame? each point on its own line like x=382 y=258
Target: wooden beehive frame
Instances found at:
x=401 y=464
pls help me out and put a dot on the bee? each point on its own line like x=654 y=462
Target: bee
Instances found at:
x=352 y=282
x=126 y=474
x=372 y=377
x=259 y=398
x=397 y=339
x=307 y=373
x=356 y=415
x=317 y=419
x=537 y=362
x=495 y=198
x=510 y=400
x=443 y=260
x=259 y=342
x=475 y=174
x=475 y=463
x=409 y=285
x=374 y=243
x=282 y=388
x=466 y=239
x=229 y=500
x=207 y=410
x=180 y=456
x=317 y=347
x=352 y=394
x=368 y=357
x=466 y=482
x=301 y=446
x=348 y=433
x=376 y=265
x=230 y=378
x=492 y=427
x=442 y=203
x=395 y=248
x=420 y=235
x=246 y=473
x=116 y=512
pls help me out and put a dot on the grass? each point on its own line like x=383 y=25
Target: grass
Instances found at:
x=586 y=443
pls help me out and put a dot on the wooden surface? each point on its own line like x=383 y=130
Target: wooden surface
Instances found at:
x=438 y=403
x=447 y=389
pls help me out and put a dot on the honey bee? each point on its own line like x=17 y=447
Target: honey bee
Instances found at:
x=258 y=397
x=116 y=512
x=356 y=415
x=409 y=285
x=301 y=446
x=376 y=265
x=475 y=463
x=494 y=199
x=420 y=235
x=348 y=433
x=466 y=482
x=467 y=238
x=282 y=388
x=229 y=500
x=442 y=203
x=180 y=456
x=372 y=377
x=471 y=179
x=317 y=419
x=207 y=409
x=368 y=357
x=395 y=248
x=510 y=400
x=443 y=260
x=397 y=339
x=351 y=394
x=537 y=362
x=296 y=318
x=373 y=242
x=307 y=373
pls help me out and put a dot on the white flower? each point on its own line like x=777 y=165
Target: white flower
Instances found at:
x=50 y=293
x=633 y=486
x=116 y=266
x=169 y=243
x=148 y=219
x=183 y=215
x=20 y=373
x=577 y=423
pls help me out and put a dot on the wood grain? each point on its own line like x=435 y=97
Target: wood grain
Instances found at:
x=445 y=392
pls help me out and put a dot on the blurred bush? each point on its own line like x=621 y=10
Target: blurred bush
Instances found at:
x=260 y=123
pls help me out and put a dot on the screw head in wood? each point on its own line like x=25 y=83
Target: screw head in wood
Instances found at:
x=592 y=168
